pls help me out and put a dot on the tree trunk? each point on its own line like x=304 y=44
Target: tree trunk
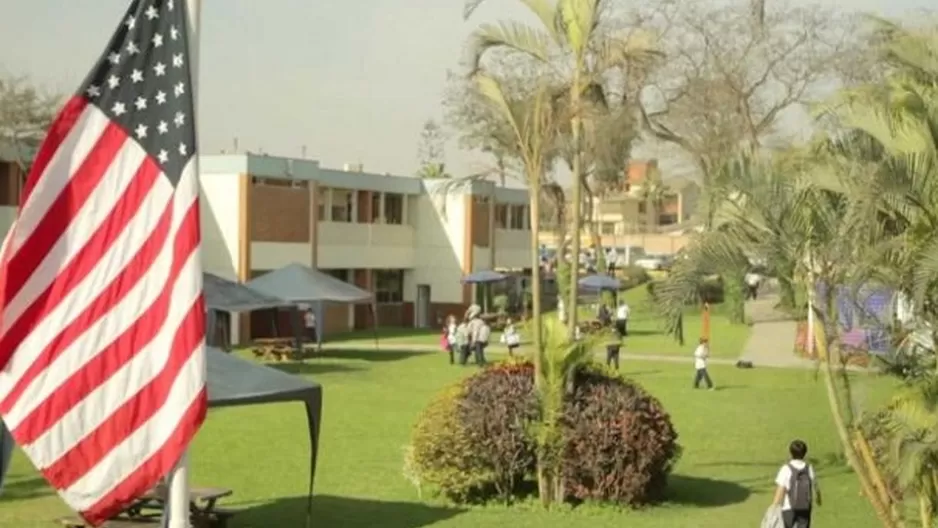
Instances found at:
x=536 y=336
x=576 y=199
x=824 y=353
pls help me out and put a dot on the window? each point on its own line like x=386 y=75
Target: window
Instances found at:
x=607 y=228
x=501 y=216
x=342 y=205
x=340 y=273
x=667 y=219
x=389 y=286
x=517 y=217
x=375 y=207
x=394 y=208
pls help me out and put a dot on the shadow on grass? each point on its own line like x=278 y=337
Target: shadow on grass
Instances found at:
x=24 y=488
x=310 y=367
x=704 y=492
x=397 y=333
x=347 y=512
x=366 y=355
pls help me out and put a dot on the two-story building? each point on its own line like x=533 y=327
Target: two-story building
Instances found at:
x=406 y=239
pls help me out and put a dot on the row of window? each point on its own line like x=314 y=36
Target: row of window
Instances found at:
x=343 y=208
x=511 y=216
x=388 y=285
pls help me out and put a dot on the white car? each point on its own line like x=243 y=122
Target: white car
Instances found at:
x=654 y=262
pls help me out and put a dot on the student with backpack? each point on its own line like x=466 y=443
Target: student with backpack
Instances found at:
x=797 y=490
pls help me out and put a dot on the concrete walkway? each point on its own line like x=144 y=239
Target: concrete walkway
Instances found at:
x=772 y=339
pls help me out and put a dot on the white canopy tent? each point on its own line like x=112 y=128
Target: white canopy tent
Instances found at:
x=300 y=284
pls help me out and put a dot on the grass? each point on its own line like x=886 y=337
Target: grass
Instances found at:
x=646 y=332
x=734 y=439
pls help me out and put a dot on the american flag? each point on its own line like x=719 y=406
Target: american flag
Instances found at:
x=102 y=325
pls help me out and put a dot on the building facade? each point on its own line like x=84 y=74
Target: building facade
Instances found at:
x=406 y=239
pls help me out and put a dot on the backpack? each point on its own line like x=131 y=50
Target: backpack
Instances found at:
x=800 y=488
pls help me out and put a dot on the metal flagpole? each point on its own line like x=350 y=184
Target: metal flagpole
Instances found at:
x=176 y=512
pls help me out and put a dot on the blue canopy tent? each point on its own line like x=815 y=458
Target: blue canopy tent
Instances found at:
x=599 y=283
x=484 y=277
x=299 y=284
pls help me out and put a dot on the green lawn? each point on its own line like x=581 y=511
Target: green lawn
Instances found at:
x=734 y=439
x=646 y=334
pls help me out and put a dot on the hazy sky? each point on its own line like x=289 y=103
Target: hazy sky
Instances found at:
x=352 y=80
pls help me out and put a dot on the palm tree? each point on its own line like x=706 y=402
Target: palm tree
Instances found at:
x=572 y=43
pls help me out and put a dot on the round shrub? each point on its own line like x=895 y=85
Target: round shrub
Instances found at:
x=632 y=276
x=441 y=451
x=475 y=441
x=620 y=444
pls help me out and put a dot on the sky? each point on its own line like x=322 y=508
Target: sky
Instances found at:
x=349 y=81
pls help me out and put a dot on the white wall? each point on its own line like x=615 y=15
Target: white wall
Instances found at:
x=375 y=246
x=219 y=203
x=512 y=249
x=440 y=235
x=275 y=255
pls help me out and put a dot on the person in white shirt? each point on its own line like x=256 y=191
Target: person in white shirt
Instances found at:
x=701 y=354
x=796 y=488
x=451 y=341
x=309 y=321
x=622 y=319
x=753 y=281
x=511 y=338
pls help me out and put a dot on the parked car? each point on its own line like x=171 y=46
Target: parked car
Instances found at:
x=654 y=262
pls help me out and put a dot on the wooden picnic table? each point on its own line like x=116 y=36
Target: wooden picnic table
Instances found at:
x=203 y=505
x=278 y=348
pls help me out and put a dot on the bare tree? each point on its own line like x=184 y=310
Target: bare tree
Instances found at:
x=734 y=69
x=26 y=111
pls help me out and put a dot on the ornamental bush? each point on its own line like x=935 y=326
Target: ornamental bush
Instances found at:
x=620 y=444
x=475 y=441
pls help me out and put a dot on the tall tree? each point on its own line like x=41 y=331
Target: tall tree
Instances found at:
x=533 y=126
x=575 y=42
x=733 y=70
x=431 y=151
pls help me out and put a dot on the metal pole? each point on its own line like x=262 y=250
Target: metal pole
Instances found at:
x=176 y=514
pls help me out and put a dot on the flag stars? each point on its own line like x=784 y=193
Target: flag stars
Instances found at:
x=132 y=48
x=131 y=22
x=114 y=58
x=162 y=127
x=180 y=119
x=163 y=156
x=177 y=60
x=136 y=76
x=173 y=32
x=151 y=13
x=179 y=89
x=160 y=97
x=183 y=150
x=170 y=5
x=119 y=109
x=113 y=81
x=157 y=40
x=159 y=69
x=93 y=91
x=141 y=131
x=141 y=103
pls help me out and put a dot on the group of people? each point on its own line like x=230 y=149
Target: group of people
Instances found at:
x=471 y=335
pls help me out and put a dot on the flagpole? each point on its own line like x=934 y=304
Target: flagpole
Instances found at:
x=176 y=512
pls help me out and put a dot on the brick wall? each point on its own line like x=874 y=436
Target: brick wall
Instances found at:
x=280 y=212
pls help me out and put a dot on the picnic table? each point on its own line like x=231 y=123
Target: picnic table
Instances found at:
x=276 y=348
x=203 y=506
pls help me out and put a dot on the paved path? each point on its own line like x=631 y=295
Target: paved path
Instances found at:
x=772 y=339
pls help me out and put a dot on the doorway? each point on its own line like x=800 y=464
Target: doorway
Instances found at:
x=422 y=308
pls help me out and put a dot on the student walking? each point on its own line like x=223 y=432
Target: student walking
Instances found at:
x=480 y=340
x=622 y=318
x=701 y=355
x=510 y=338
x=796 y=488
x=462 y=341
x=753 y=281
x=612 y=349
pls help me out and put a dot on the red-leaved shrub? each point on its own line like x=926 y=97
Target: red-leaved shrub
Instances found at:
x=620 y=444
